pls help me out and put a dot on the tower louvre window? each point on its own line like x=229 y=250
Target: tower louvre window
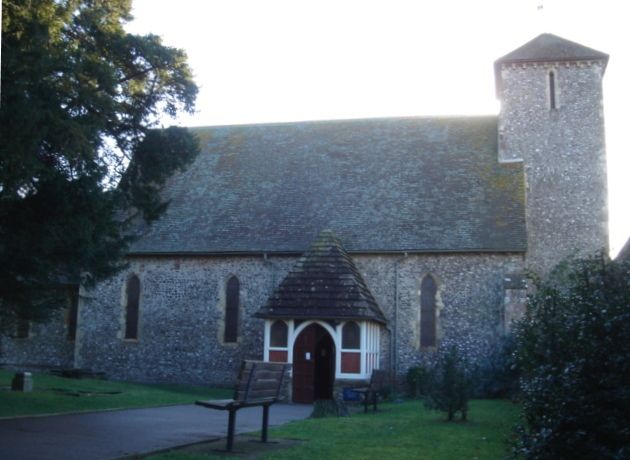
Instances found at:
x=552 y=90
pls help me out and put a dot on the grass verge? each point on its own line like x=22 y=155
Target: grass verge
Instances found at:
x=399 y=431
x=58 y=395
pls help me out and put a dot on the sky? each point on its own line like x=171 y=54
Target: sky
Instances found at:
x=279 y=61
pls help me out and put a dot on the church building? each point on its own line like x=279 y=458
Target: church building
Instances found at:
x=347 y=246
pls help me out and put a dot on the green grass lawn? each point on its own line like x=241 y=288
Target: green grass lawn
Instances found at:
x=400 y=431
x=56 y=395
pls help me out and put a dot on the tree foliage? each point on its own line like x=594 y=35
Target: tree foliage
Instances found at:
x=78 y=100
x=573 y=351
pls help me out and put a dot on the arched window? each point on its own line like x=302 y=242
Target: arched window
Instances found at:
x=428 y=289
x=351 y=336
x=133 y=307
x=279 y=334
x=552 y=90
x=231 y=310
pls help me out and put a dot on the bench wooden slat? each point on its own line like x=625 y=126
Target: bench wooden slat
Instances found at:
x=216 y=403
x=268 y=393
x=264 y=373
x=260 y=365
x=258 y=384
x=378 y=382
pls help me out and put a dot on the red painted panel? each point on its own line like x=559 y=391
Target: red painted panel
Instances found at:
x=278 y=356
x=350 y=363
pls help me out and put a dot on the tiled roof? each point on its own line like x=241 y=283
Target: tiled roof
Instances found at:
x=382 y=185
x=324 y=284
x=547 y=48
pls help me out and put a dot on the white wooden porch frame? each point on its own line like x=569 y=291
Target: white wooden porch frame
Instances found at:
x=370 y=345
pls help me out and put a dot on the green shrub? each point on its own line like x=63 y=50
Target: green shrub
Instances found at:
x=496 y=375
x=417 y=381
x=449 y=385
x=573 y=351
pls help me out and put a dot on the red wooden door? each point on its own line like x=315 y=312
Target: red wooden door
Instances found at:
x=313 y=365
x=304 y=365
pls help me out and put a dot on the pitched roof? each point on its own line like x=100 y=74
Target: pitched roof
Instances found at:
x=548 y=48
x=323 y=284
x=382 y=185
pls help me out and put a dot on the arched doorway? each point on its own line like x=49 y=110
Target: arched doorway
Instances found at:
x=313 y=365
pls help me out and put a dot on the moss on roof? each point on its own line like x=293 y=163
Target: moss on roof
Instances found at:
x=395 y=184
x=323 y=284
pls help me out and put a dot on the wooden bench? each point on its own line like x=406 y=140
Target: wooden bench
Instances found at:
x=259 y=384
x=376 y=387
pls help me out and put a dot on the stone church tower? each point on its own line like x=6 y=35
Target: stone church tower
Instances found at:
x=551 y=119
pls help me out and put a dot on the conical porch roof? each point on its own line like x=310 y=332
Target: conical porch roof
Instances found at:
x=323 y=284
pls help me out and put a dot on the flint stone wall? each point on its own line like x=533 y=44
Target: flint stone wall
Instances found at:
x=182 y=305
x=469 y=300
x=47 y=346
x=564 y=156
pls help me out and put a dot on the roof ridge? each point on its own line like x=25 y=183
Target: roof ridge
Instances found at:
x=550 y=47
x=343 y=120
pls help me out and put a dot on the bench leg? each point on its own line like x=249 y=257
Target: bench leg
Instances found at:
x=265 y=423
x=366 y=401
x=375 y=400
x=231 y=425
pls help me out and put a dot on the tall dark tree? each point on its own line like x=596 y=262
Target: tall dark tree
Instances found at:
x=78 y=159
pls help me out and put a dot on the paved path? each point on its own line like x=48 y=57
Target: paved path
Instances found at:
x=109 y=435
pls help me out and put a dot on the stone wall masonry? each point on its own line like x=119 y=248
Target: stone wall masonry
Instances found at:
x=182 y=304
x=563 y=150
x=469 y=301
x=47 y=346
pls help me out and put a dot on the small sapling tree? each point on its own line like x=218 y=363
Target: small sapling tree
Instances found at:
x=450 y=385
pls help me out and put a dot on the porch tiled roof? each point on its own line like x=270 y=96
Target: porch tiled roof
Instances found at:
x=324 y=284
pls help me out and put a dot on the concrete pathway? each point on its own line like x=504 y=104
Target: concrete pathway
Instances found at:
x=115 y=434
